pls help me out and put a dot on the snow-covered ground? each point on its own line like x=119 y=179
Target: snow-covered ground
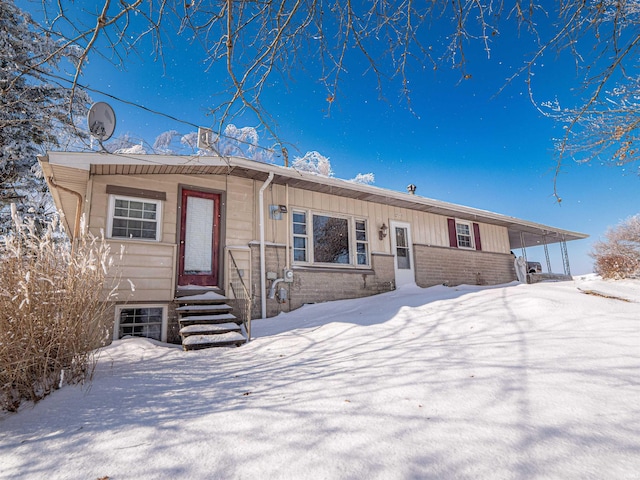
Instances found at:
x=510 y=382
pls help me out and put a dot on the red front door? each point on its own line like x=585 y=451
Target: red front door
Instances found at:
x=199 y=238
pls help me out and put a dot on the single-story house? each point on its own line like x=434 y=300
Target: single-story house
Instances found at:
x=201 y=232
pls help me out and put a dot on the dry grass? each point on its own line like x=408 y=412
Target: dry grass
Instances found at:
x=52 y=304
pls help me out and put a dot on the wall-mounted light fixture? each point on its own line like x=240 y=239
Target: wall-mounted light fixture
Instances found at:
x=383 y=231
x=411 y=188
x=276 y=211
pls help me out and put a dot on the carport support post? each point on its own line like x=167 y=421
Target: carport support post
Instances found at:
x=565 y=257
x=524 y=249
x=546 y=253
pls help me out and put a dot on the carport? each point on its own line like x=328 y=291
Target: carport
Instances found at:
x=523 y=235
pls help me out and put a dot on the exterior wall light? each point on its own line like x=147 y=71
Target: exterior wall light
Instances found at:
x=383 y=231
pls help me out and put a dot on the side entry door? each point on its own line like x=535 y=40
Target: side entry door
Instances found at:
x=199 y=238
x=402 y=249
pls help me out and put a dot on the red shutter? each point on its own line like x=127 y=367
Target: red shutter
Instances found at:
x=453 y=236
x=476 y=236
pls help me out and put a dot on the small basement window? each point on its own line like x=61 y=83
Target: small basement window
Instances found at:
x=134 y=218
x=147 y=321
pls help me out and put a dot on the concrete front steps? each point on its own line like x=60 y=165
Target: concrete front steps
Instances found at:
x=206 y=320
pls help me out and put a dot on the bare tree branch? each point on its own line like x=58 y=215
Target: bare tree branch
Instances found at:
x=257 y=41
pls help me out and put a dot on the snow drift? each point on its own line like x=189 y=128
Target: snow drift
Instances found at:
x=515 y=381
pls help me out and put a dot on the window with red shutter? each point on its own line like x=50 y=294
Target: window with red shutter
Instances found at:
x=463 y=234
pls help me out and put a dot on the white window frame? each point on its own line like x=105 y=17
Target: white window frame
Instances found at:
x=305 y=236
x=111 y=215
x=353 y=242
x=364 y=242
x=472 y=242
x=119 y=308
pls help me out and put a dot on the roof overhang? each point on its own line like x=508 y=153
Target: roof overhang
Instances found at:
x=522 y=233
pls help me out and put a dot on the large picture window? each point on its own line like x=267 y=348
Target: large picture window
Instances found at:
x=134 y=218
x=328 y=239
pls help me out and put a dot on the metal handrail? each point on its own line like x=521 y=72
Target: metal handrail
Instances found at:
x=241 y=295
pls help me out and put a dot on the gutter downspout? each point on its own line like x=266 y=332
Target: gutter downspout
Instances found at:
x=263 y=274
x=286 y=201
x=76 y=226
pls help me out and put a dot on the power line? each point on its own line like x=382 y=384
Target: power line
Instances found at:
x=150 y=110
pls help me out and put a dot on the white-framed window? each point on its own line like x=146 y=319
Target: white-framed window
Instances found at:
x=362 y=242
x=464 y=234
x=403 y=252
x=134 y=218
x=329 y=239
x=149 y=321
x=300 y=237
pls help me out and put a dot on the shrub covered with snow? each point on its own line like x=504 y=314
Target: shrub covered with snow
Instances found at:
x=51 y=309
x=618 y=256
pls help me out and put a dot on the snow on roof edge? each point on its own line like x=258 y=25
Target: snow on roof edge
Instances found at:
x=84 y=161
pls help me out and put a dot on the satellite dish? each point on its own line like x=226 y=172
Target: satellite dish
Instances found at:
x=102 y=121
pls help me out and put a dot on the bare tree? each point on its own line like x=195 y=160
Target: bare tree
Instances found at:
x=34 y=110
x=256 y=41
x=603 y=38
x=618 y=256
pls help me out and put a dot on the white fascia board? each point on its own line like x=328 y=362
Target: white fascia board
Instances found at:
x=84 y=160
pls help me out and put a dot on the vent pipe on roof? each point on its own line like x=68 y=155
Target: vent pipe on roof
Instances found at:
x=411 y=188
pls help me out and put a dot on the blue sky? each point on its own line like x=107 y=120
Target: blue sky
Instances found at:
x=463 y=143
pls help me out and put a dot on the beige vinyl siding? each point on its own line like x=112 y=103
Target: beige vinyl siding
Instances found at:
x=427 y=228
x=149 y=266
x=73 y=179
x=160 y=183
x=430 y=229
x=275 y=230
x=239 y=210
x=99 y=208
x=494 y=238
x=239 y=202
